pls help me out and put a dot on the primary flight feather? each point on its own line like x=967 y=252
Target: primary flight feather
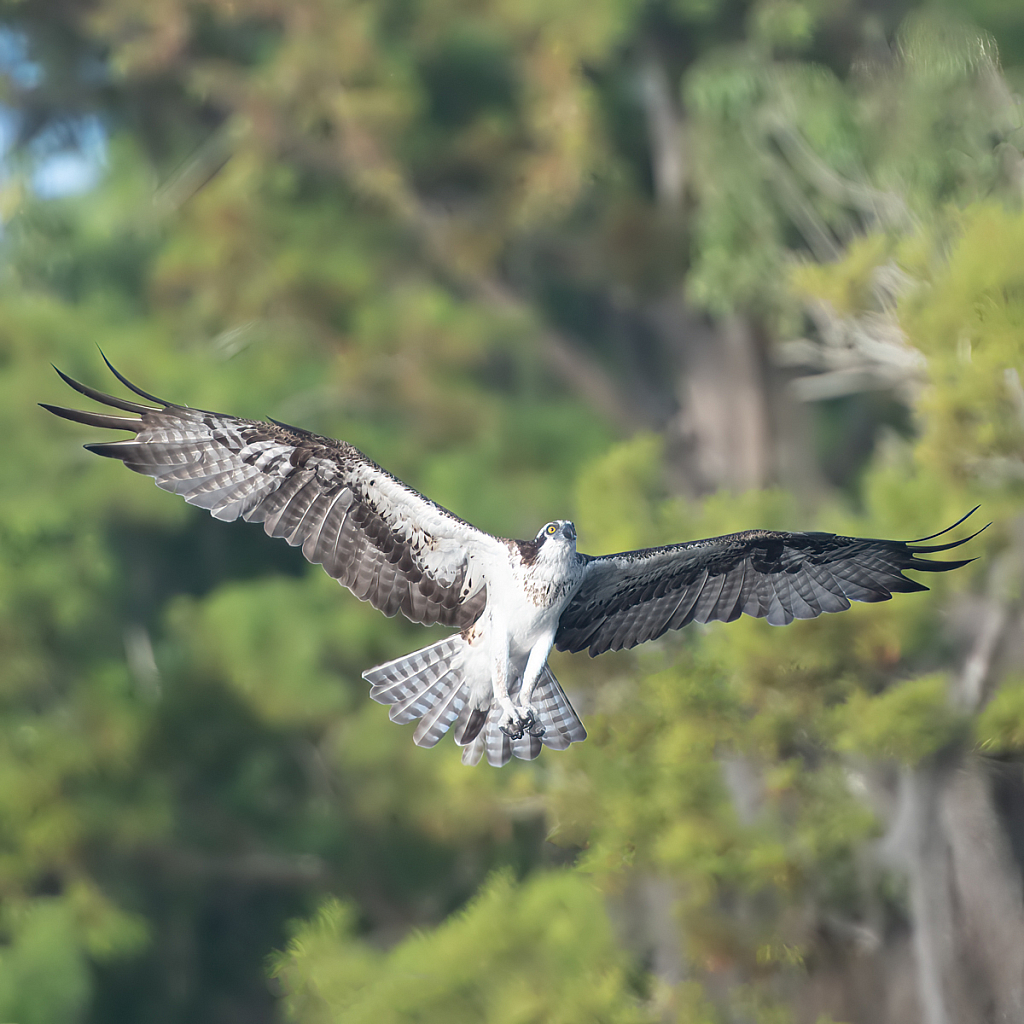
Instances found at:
x=511 y=600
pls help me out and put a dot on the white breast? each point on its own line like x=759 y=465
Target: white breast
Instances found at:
x=533 y=597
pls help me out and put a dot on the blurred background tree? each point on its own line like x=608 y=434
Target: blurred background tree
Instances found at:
x=672 y=268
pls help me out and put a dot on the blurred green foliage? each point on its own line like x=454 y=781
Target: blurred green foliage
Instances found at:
x=540 y=950
x=312 y=211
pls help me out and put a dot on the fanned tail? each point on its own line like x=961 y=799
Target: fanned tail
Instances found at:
x=428 y=684
x=480 y=733
x=432 y=685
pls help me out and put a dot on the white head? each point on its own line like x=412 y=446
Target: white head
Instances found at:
x=556 y=540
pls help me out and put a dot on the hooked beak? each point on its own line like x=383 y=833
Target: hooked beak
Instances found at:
x=570 y=531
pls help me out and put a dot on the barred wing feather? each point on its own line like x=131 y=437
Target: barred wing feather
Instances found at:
x=634 y=596
x=387 y=543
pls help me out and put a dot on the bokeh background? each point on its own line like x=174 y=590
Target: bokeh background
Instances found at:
x=670 y=268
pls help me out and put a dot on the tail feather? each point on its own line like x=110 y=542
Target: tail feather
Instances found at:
x=438 y=720
x=431 y=686
x=555 y=714
x=527 y=747
x=471 y=721
x=473 y=751
x=497 y=744
x=490 y=741
x=419 y=682
x=395 y=680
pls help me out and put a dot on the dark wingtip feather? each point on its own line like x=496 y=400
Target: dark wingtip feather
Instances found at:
x=128 y=384
x=112 y=449
x=94 y=419
x=929 y=548
x=925 y=565
x=962 y=519
x=99 y=396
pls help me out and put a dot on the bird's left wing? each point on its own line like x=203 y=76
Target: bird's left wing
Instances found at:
x=634 y=596
x=387 y=543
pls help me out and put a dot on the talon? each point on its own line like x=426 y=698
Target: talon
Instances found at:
x=531 y=726
x=511 y=725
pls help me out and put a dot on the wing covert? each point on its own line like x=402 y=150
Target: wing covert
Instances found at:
x=383 y=540
x=634 y=596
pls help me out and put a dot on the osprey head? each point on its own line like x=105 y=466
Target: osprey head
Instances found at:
x=554 y=545
x=561 y=531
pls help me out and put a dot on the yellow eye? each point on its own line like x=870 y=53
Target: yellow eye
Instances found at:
x=552 y=530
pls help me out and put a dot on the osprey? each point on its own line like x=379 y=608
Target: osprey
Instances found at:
x=510 y=600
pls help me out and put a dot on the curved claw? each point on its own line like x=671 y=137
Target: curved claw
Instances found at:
x=524 y=725
x=511 y=724
x=530 y=724
x=518 y=725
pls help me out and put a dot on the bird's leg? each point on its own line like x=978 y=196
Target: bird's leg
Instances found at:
x=509 y=723
x=531 y=674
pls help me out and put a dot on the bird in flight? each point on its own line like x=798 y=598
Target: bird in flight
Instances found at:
x=510 y=600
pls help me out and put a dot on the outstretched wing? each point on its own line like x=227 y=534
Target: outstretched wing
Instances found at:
x=384 y=541
x=634 y=596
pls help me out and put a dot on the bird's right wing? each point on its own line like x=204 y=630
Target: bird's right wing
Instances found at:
x=387 y=543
